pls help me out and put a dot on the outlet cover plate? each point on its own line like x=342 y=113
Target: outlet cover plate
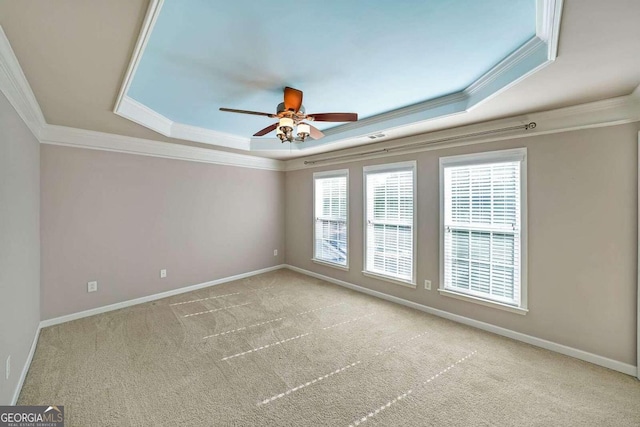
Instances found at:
x=92 y=286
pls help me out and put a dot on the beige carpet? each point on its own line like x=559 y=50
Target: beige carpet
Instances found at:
x=286 y=349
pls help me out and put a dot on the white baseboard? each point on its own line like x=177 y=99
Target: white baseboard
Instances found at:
x=625 y=368
x=141 y=300
x=26 y=366
x=539 y=342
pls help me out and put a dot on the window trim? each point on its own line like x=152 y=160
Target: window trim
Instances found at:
x=390 y=167
x=329 y=174
x=511 y=155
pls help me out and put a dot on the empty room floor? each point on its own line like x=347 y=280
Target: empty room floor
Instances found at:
x=286 y=349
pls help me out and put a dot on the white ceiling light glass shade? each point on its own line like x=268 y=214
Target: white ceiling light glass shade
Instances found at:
x=286 y=124
x=303 y=131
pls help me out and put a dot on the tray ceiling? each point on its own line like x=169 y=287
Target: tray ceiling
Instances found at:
x=395 y=63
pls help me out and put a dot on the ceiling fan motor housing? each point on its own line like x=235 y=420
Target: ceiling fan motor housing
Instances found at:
x=281 y=109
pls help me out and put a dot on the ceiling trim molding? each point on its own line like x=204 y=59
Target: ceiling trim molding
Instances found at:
x=504 y=66
x=549 y=16
x=80 y=138
x=153 y=11
x=609 y=112
x=139 y=113
x=208 y=136
x=529 y=58
x=432 y=104
x=15 y=87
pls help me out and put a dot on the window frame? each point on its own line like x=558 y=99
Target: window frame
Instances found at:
x=510 y=155
x=381 y=168
x=321 y=175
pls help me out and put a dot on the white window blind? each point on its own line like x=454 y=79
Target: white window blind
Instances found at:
x=390 y=221
x=330 y=214
x=482 y=228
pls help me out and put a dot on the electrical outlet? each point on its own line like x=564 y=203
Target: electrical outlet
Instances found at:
x=92 y=286
x=163 y=273
x=275 y=252
x=427 y=285
x=8 y=367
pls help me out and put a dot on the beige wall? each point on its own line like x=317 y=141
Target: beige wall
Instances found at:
x=582 y=252
x=19 y=245
x=120 y=218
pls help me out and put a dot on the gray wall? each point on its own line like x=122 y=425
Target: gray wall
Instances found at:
x=19 y=244
x=582 y=252
x=120 y=218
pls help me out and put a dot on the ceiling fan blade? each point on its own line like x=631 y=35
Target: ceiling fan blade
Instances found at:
x=334 y=117
x=266 y=130
x=292 y=99
x=314 y=132
x=255 y=113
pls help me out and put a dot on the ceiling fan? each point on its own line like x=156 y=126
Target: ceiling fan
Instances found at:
x=290 y=114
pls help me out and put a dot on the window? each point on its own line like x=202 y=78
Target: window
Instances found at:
x=389 y=222
x=483 y=228
x=331 y=210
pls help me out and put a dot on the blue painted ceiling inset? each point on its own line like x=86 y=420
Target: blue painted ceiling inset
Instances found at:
x=367 y=57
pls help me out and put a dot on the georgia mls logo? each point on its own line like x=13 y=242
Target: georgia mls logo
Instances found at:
x=31 y=416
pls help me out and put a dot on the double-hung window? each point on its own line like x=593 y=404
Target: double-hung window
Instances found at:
x=483 y=228
x=331 y=211
x=390 y=222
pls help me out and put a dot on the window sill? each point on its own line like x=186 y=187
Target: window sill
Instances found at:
x=482 y=301
x=330 y=264
x=390 y=279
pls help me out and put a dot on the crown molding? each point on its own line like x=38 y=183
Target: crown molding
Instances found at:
x=153 y=11
x=458 y=100
x=208 y=136
x=504 y=66
x=80 y=138
x=139 y=113
x=15 y=87
x=549 y=15
x=530 y=58
x=608 y=112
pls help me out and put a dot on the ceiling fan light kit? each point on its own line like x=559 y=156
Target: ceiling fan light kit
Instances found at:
x=285 y=125
x=303 y=131
x=291 y=114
